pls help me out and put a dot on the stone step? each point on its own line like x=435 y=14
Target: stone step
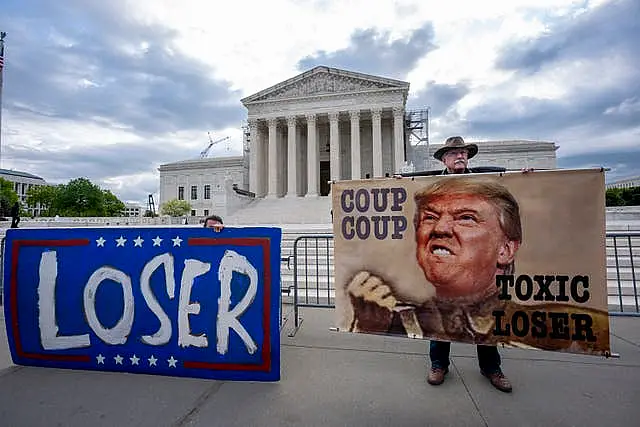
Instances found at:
x=623 y=274
x=628 y=301
x=623 y=250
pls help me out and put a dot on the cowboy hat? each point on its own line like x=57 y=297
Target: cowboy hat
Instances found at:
x=454 y=143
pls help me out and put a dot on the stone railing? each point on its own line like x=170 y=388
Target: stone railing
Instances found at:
x=103 y=221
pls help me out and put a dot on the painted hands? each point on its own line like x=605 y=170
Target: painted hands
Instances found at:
x=372 y=301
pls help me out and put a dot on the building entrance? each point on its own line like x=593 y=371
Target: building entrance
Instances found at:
x=325 y=176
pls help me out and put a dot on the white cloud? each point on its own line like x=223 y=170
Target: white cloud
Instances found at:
x=255 y=44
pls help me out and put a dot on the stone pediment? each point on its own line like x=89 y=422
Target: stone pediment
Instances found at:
x=323 y=81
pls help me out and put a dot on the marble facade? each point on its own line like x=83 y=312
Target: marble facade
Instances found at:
x=324 y=124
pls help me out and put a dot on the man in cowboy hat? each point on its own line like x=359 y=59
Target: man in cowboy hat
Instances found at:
x=455 y=155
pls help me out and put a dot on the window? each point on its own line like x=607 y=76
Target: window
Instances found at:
x=194 y=192
x=207 y=192
x=193 y=212
x=180 y=193
x=206 y=212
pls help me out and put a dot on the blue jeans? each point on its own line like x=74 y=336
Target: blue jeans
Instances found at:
x=488 y=356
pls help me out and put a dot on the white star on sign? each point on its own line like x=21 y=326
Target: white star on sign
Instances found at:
x=176 y=241
x=172 y=362
x=134 y=359
x=100 y=359
x=138 y=241
x=100 y=241
x=121 y=241
x=152 y=361
x=118 y=359
x=156 y=241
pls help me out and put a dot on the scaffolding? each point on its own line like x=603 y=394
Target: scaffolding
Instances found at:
x=416 y=143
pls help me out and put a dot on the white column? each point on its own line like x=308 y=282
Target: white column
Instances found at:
x=253 y=156
x=334 y=146
x=273 y=158
x=376 y=115
x=261 y=160
x=356 y=173
x=312 y=157
x=398 y=138
x=292 y=176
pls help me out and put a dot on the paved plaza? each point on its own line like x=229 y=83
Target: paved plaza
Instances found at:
x=336 y=379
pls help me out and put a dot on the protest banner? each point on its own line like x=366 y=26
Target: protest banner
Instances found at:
x=502 y=258
x=185 y=301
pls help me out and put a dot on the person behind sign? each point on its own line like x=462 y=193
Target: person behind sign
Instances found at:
x=464 y=275
x=455 y=155
x=215 y=222
x=467 y=232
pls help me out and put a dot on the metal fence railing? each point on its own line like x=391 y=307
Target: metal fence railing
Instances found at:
x=2 y=272
x=312 y=273
x=313 y=284
x=623 y=272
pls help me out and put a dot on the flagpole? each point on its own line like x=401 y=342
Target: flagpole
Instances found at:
x=2 y=36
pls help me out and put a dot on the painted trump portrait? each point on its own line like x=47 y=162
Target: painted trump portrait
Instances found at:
x=467 y=231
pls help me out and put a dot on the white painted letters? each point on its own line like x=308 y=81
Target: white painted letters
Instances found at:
x=192 y=269
x=163 y=335
x=227 y=317
x=232 y=261
x=120 y=332
x=48 y=274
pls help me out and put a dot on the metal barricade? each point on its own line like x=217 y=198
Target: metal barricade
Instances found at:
x=312 y=273
x=2 y=272
x=623 y=254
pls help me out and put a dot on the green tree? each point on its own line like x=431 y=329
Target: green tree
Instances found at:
x=46 y=195
x=112 y=206
x=7 y=197
x=631 y=196
x=614 y=197
x=623 y=196
x=79 y=197
x=176 y=207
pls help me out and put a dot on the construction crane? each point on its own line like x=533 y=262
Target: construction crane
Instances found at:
x=204 y=152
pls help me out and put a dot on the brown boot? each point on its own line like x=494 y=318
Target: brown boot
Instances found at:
x=436 y=375
x=499 y=381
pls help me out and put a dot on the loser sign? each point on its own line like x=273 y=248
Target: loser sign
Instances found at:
x=169 y=301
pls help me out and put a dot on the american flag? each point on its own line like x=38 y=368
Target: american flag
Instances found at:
x=1 y=54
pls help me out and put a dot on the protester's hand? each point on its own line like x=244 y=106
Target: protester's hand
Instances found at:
x=372 y=301
x=218 y=227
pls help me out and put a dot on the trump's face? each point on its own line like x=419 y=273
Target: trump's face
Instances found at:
x=460 y=244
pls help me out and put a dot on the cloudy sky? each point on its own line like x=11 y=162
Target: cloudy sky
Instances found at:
x=109 y=90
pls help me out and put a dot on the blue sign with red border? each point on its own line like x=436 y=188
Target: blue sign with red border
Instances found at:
x=186 y=301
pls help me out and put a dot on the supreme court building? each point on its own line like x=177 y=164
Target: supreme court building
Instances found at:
x=324 y=124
